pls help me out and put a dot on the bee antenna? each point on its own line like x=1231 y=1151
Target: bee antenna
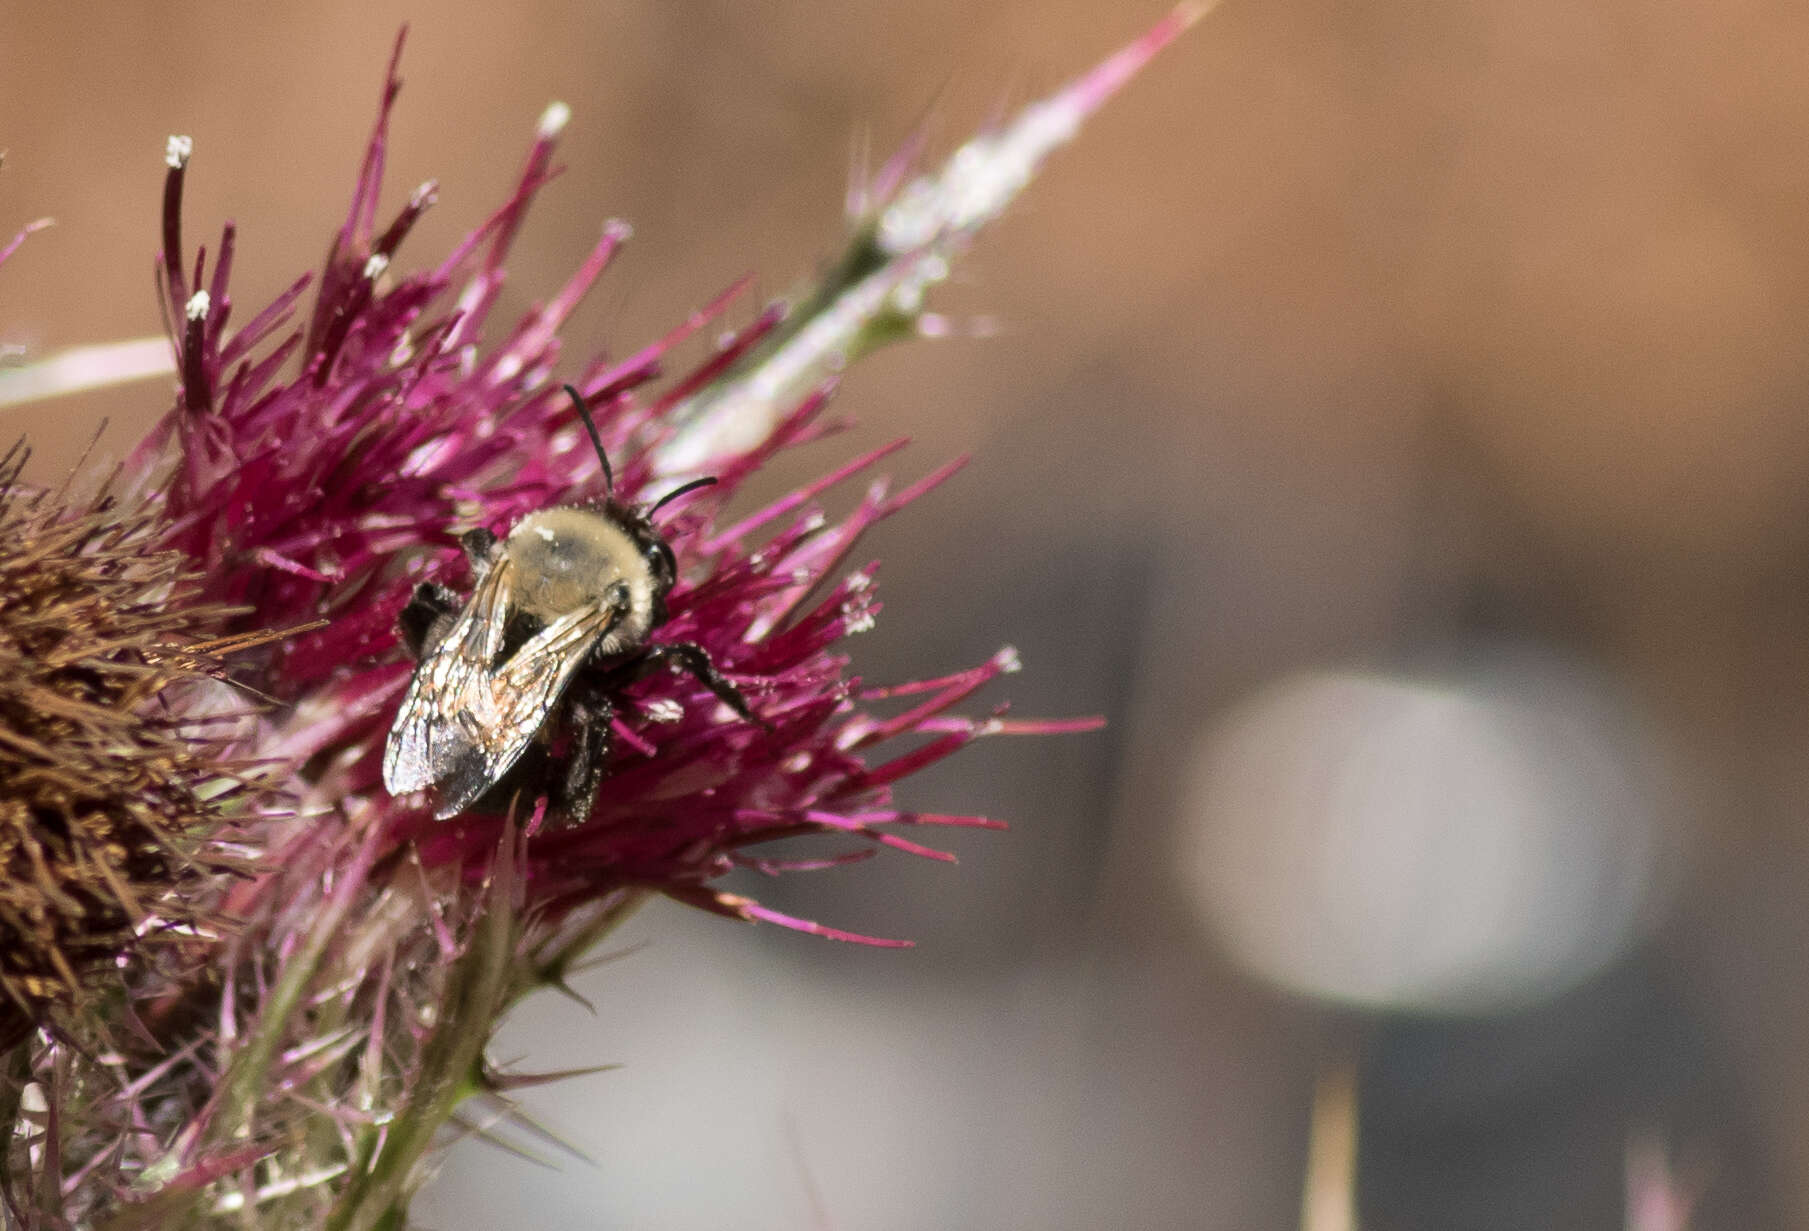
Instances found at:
x=680 y=490
x=590 y=425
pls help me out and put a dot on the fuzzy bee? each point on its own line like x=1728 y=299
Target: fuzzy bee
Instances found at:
x=559 y=620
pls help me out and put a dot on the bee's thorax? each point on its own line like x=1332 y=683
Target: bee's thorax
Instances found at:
x=565 y=558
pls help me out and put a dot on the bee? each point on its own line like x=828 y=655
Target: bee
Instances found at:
x=559 y=620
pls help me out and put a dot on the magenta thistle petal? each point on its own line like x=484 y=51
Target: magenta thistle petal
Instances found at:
x=737 y=907
x=25 y=232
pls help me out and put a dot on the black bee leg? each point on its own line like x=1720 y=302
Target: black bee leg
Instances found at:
x=590 y=712
x=480 y=549
x=424 y=620
x=691 y=658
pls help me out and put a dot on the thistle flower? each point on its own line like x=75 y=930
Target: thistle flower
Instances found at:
x=333 y=493
x=318 y=465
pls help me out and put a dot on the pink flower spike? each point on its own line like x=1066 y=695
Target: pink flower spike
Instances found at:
x=31 y=228
x=82 y=368
x=910 y=236
x=746 y=908
x=1092 y=90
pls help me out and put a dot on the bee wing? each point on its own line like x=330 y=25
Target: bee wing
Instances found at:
x=464 y=722
x=427 y=740
x=521 y=693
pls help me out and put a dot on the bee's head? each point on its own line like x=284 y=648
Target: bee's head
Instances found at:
x=637 y=520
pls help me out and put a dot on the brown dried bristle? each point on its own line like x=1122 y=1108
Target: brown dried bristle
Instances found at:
x=105 y=800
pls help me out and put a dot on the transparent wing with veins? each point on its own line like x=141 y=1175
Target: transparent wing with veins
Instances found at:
x=467 y=718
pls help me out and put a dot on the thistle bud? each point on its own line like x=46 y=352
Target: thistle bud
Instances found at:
x=104 y=801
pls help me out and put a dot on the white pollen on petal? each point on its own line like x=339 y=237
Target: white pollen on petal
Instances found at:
x=177 y=149
x=665 y=710
x=553 y=120
x=374 y=267
x=196 y=307
x=1008 y=661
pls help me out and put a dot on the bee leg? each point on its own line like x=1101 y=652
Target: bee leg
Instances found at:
x=590 y=713
x=424 y=620
x=480 y=550
x=693 y=660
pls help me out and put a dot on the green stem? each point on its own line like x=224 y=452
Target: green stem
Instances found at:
x=451 y=1070
x=553 y=963
x=484 y=985
x=860 y=260
x=17 y=1071
x=243 y=1083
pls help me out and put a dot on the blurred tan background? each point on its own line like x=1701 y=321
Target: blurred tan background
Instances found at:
x=1397 y=429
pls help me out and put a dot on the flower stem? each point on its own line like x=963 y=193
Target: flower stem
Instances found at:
x=451 y=1069
x=554 y=962
x=244 y=1081
x=17 y=1071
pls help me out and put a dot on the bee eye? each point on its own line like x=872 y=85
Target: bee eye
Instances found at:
x=668 y=563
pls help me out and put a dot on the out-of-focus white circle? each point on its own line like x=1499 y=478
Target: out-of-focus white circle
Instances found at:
x=1461 y=844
